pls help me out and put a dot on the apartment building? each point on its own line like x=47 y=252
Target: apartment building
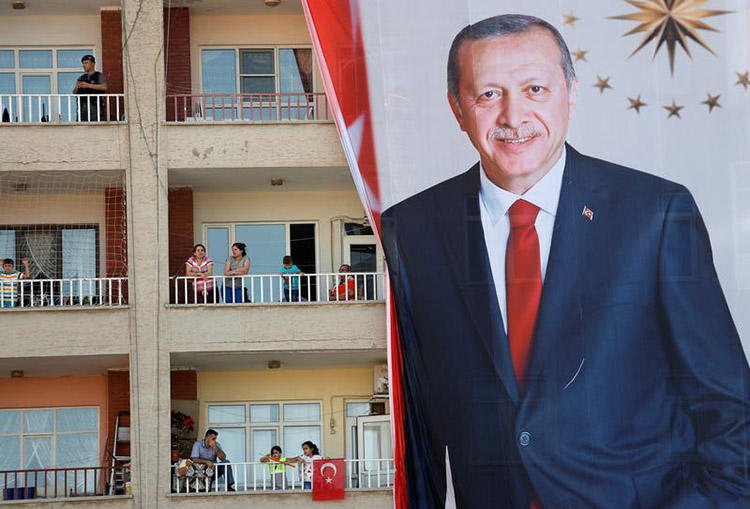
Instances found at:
x=214 y=129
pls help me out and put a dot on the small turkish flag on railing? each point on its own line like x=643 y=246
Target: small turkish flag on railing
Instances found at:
x=329 y=479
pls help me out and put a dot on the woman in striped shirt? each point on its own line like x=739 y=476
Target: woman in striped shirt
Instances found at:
x=201 y=267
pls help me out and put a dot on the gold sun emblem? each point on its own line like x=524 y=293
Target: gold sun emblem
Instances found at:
x=670 y=22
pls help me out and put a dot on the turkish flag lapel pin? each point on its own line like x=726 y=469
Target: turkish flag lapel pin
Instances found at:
x=587 y=213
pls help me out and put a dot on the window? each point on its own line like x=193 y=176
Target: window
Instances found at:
x=54 y=251
x=267 y=244
x=40 y=71
x=274 y=83
x=247 y=431
x=42 y=438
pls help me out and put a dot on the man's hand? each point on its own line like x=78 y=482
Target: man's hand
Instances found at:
x=209 y=464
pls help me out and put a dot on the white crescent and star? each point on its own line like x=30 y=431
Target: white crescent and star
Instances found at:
x=323 y=467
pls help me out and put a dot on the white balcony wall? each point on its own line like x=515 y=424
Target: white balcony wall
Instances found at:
x=46 y=30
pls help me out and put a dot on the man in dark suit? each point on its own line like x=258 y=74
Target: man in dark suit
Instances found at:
x=565 y=339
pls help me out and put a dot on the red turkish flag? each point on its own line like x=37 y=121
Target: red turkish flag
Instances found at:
x=329 y=479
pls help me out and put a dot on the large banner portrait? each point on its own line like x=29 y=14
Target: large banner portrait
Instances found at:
x=562 y=192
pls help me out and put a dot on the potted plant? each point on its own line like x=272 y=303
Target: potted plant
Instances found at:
x=182 y=424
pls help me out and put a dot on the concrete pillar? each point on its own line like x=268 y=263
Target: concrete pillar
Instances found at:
x=143 y=62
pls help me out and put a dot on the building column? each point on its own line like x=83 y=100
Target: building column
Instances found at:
x=143 y=66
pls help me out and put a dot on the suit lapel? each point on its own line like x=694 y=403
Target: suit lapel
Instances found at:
x=571 y=240
x=466 y=251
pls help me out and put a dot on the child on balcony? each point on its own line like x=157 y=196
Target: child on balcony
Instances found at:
x=276 y=467
x=291 y=274
x=310 y=453
x=8 y=278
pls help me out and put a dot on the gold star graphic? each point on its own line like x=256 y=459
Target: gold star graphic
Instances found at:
x=580 y=54
x=672 y=22
x=602 y=84
x=636 y=104
x=674 y=110
x=570 y=19
x=743 y=79
x=712 y=102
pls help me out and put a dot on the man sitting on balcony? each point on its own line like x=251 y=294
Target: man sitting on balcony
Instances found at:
x=8 y=284
x=205 y=452
x=92 y=109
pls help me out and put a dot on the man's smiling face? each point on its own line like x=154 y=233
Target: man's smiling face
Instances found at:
x=514 y=105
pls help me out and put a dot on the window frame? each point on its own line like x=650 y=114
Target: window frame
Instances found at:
x=54 y=433
x=278 y=426
x=231 y=226
x=238 y=61
x=58 y=227
x=52 y=71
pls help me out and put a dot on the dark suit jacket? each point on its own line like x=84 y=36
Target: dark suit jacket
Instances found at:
x=637 y=389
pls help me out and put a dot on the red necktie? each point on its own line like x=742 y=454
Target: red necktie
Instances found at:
x=523 y=283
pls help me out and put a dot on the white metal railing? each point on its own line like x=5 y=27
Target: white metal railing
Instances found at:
x=282 y=107
x=256 y=476
x=25 y=293
x=61 y=108
x=275 y=288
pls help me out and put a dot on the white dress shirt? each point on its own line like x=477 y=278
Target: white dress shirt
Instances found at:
x=494 y=204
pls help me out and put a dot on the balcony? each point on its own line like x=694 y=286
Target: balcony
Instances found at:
x=51 y=109
x=254 y=477
x=258 y=402
x=47 y=483
x=243 y=90
x=249 y=107
x=59 y=417
x=337 y=287
x=39 y=69
x=63 y=293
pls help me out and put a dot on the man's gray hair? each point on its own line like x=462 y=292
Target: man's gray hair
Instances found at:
x=500 y=26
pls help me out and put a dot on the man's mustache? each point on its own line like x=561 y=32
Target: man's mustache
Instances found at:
x=507 y=133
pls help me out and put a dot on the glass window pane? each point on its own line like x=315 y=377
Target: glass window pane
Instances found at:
x=77 y=450
x=218 y=71
x=9 y=419
x=66 y=81
x=232 y=442
x=7 y=83
x=11 y=447
x=295 y=435
x=34 y=84
x=358 y=408
x=71 y=57
x=302 y=412
x=79 y=260
x=264 y=413
x=77 y=419
x=262 y=441
x=37 y=452
x=257 y=61
x=37 y=421
x=266 y=246
x=295 y=71
x=226 y=413
x=7 y=59
x=35 y=59
x=258 y=85
x=217 y=244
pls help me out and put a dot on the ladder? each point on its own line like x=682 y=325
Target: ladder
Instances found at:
x=120 y=455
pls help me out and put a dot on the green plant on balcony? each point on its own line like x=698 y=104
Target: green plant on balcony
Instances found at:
x=181 y=424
